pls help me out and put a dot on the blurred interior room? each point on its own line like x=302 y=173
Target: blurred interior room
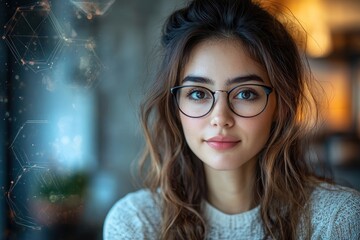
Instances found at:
x=72 y=76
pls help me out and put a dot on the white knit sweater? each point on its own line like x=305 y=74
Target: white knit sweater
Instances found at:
x=335 y=214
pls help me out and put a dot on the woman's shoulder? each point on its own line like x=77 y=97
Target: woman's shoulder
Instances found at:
x=332 y=195
x=142 y=198
x=335 y=211
x=134 y=216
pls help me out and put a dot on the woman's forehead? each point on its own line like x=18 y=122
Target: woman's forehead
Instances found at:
x=225 y=59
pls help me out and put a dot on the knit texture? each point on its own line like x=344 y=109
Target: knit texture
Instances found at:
x=335 y=214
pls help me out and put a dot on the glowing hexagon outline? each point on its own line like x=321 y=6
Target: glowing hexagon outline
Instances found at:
x=26 y=168
x=17 y=214
x=100 y=67
x=80 y=5
x=89 y=47
x=10 y=26
x=21 y=157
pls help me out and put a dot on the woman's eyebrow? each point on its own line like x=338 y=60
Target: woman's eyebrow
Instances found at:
x=197 y=79
x=238 y=80
x=246 y=78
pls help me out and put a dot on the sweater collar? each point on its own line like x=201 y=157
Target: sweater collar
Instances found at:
x=217 y=218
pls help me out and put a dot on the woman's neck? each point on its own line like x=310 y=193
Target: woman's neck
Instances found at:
x=232 y=191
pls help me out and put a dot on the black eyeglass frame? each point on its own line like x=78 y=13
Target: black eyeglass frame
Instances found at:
x=268 y=90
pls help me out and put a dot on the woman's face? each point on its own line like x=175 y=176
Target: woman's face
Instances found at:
x=222 y=139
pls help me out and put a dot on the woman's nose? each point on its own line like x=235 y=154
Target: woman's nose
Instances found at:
x=221 y=115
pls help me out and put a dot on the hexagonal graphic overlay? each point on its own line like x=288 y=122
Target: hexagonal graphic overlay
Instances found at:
x=79 y=65
x=31 y=175
x=39 y=195
x=34 y=36
x=31 y=195
x=93 y=7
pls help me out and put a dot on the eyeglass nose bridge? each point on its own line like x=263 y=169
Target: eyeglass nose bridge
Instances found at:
x=221 y=91
x=216 y=99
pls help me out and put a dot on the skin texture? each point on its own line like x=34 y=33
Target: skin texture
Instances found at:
x=229 y=159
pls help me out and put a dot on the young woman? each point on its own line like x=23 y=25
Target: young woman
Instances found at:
x=226 y=124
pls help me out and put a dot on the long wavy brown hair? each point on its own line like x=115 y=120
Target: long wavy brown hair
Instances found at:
x=284 y=181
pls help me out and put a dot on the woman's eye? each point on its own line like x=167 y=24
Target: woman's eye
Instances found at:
x=246 y=95
x=197 y=95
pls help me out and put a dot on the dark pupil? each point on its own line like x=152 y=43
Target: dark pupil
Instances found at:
x=200 y=94
x=245 y=94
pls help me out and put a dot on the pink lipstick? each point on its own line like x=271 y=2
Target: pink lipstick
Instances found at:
x=222 y=142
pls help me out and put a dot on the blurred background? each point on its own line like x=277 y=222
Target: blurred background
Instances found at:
x=72 y=74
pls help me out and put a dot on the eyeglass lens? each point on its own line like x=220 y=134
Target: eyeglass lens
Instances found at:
x=244 y=100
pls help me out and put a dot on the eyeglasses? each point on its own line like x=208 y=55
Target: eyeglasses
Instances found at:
x=246 y=100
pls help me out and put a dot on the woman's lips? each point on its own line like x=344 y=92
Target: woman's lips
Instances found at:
x=222 y=142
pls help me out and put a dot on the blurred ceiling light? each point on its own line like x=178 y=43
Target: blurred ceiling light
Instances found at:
x=312 y=16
